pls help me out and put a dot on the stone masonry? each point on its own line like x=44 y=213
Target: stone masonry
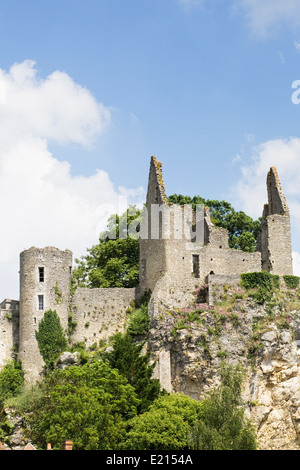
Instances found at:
x=178 y=249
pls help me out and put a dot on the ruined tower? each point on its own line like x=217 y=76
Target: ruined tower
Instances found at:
x=183 y=245
x=152 y=252
x=274 y=241
x=45 y=276
x=168 y=234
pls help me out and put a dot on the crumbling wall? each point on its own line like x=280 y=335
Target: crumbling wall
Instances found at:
x=274 y=240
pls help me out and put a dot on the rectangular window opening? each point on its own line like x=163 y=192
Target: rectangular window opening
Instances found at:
x=41 y=275
x=41 y=302
x=196 y=266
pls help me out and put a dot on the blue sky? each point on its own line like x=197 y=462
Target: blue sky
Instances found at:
x=90 y=90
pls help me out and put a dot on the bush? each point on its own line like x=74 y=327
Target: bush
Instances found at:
x=50 y=338
x=260 y=279
x=11 y=381
x=262 y=283
x=291 y=281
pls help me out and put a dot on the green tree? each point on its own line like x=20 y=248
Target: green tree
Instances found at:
x=50 y=338
x=11 y=381
x=126 y=356
x=222 y=425
x=164 y=426
x=242 y=229
x=114 y=261
x=88 y=404
x=139 y=321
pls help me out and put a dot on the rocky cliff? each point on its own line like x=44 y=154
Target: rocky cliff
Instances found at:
x=264 y=336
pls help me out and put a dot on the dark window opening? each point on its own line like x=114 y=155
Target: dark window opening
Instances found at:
x=41 y=275
x=196 y=265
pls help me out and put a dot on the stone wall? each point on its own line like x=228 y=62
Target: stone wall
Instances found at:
x=99 y=313
x=279 y=244
x=274 y=240
x=227 y=261
x=9 y=331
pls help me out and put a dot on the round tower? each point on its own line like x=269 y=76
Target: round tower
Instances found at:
x=45 y=275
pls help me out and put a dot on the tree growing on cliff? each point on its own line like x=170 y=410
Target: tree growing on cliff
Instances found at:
x=222 y=424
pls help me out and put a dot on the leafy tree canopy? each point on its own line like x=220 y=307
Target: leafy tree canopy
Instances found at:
x=88 y=404
x=114 y=261
x=164 y=426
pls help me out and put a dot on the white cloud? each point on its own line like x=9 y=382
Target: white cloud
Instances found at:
x=250 y=191
x=267 y=16
x=41 y=203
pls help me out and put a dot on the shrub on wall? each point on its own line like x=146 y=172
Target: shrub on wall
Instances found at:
x=50 y=338
x=259 y=279
x=262 y=283
x=291 y=281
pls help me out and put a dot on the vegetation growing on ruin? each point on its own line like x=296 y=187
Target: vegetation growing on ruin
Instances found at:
x=114 y=261
x=50 y=337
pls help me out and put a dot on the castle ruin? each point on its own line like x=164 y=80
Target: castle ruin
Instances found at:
x=173 y=255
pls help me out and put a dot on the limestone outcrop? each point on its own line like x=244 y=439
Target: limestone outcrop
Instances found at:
x=190 y=343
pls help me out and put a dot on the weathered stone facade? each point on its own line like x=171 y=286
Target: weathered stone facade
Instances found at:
x=99 y=313
x=274 y=241
x=178 y=250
